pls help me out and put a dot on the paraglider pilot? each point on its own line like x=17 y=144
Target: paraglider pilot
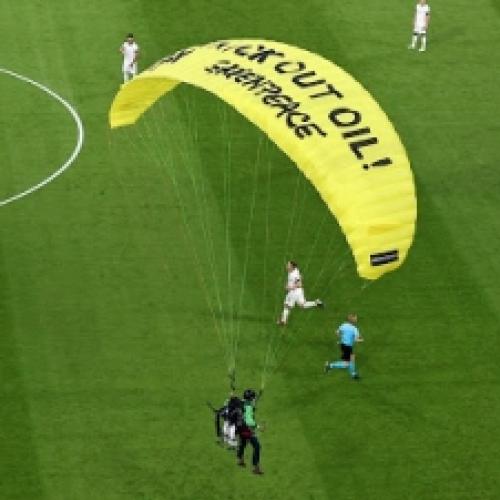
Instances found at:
x=246 y=431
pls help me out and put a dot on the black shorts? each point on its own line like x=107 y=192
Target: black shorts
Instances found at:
x=346 y=352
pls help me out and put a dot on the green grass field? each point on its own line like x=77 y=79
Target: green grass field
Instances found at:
x=124 y=281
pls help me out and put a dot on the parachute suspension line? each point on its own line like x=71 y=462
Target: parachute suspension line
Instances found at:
x=337 y=273
x=227 y=233
x=356 y=295
x=300 y=195
x=167 y=160
x=132 y=140
x=344 y=260
x=280 y=349
x=276 y=338
x=291 y=221
x=319 y=232
x=274 y=358
x=269 y=358
x=156 y=157
x=247 y=242
x=264 y=278
x=201 y=201
x=301 y=210
x=263 y=375
x=277 y=349
x=286 y=250
x=276 y=341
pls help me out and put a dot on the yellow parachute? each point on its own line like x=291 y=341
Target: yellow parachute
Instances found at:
x=322 y=118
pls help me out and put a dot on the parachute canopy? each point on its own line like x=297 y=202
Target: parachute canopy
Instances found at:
x=321 y=117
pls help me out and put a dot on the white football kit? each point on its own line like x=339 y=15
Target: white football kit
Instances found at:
x=129 y=64
x=229 y=434
x=294 y=295
x=421 y=14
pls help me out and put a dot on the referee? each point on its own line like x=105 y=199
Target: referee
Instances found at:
x=348 y=335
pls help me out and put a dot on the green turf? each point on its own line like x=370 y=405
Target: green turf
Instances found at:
x=112 y=331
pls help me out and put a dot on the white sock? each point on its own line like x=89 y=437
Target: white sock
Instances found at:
x=414 y=41
x=424 y=42
x=284 y=314
x=309 y=303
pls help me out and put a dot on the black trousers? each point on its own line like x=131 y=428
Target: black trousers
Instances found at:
x=218 y=427
x=255 y=445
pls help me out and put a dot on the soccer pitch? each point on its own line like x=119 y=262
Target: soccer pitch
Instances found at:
x=133 y=280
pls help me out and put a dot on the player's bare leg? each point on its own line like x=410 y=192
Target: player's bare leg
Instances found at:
x=414 y=40
x=311 y=303
x=284 y=316
x=423 y=42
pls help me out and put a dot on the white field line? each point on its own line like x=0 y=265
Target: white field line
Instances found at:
x=76 y=150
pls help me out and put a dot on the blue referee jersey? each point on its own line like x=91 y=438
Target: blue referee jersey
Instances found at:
x=349 y=334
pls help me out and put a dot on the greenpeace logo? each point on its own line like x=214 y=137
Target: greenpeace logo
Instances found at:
x=379 y=259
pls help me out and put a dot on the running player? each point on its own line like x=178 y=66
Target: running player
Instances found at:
x=295 y=293
x=348 y=335
x=130 y=51
x=420 y=25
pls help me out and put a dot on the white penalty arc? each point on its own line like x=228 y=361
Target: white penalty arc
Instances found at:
x=76 y=150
